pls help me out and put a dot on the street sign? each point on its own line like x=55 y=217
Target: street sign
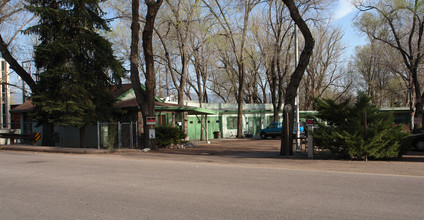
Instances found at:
x=37 y=137
x=150 y=120
x=310 y=121
x=152 y=134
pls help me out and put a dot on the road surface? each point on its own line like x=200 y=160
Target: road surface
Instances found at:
x=61 y=186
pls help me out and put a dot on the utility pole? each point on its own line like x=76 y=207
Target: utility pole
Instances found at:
x=297 y=101
x=23 y=82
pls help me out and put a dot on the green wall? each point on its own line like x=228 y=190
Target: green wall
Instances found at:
x=194 y=126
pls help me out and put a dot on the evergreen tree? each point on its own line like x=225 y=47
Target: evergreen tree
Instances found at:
x=360 y=131
x=77 y=64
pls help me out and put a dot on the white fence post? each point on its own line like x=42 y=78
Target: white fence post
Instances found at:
x=310 y=142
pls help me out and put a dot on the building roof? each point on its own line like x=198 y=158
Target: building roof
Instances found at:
x=126 y=91
x=25 y=107
x=132 y=104
x=117 y=91
x=162 y=106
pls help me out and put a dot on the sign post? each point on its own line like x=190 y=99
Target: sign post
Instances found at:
x=310 y=124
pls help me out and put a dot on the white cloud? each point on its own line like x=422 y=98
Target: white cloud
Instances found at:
x=343 y=8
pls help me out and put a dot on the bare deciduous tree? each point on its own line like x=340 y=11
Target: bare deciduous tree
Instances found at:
x=145 y=99
x=13 y=12
x=237 y=45
x=296 y=77
x=400 y=25
x=324 y=68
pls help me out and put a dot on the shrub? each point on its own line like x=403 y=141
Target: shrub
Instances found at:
x=167 y=135
x=360 y=131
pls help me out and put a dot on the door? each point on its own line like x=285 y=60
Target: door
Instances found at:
x=254 y=125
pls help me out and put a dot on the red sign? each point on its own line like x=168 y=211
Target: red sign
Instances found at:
x=310 y=121
x=150 y=120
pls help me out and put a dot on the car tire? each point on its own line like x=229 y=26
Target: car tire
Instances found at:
x=420 y=145
x=263 y=136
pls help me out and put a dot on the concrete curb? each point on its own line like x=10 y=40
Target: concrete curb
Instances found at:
x=66 y=150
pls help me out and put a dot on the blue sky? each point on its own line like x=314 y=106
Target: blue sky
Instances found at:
x=345 y=13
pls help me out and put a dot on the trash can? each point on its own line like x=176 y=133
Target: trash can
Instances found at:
x=216 y=134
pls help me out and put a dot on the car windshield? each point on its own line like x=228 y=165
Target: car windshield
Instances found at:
x=274 y=125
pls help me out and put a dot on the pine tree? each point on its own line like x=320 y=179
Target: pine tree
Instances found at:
x=77 y=63
x=360 y=131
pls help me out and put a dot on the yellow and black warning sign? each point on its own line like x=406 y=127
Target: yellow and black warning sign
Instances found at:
x=37 y=137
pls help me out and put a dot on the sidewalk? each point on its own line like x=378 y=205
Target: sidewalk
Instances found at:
x=74 y=150
x=67 y=150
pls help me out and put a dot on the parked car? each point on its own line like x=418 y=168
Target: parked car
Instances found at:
x=417 y=140
x=274 y=130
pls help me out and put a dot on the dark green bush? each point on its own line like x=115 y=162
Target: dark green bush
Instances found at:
x=167 y=135
x=360 y=131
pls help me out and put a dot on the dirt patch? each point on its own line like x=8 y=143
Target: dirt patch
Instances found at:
x=265 y=153
x=229 y=147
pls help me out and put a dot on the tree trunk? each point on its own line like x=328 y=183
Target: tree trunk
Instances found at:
x=419 y=102
x=240 y=116
x=148 y=107
x=418 y=116
x=247 y=8
x=145 y=99
x=183 y=79
x=135 y=38
x=289 y=101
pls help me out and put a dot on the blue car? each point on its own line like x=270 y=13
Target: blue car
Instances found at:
x=274 y=130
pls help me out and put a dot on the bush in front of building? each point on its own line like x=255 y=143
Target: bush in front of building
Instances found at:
x=359 y=131
x=167 y=136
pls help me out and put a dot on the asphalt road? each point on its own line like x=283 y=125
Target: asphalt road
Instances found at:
x=60 y=186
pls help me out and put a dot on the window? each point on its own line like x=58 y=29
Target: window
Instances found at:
x=402 y=118
x=232 y=123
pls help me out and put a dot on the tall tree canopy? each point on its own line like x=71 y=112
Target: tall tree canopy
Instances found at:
x=77 y=64
x=399 y=24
